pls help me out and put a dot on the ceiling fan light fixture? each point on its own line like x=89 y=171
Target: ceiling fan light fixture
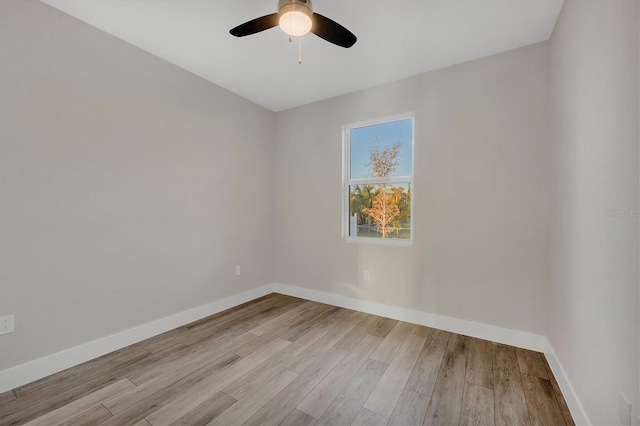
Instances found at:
x=295 y=17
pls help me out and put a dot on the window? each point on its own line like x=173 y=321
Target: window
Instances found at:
x=378 y=181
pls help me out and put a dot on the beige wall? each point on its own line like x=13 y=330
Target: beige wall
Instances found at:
x=480 y=194
x=594 y=301
x=129 y=188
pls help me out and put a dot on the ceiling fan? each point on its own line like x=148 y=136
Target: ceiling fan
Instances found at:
x=296 y=18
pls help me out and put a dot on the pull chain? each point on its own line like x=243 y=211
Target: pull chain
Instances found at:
x=300 y=51
x=290 y=23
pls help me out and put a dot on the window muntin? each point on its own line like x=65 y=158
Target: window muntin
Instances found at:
x=378 y=181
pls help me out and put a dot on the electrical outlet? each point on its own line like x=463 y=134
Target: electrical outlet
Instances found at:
x=7 y=324
x=625 y=410
x=237 y=269
x=367 y=276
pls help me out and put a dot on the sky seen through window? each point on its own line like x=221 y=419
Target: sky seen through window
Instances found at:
x=363 y=138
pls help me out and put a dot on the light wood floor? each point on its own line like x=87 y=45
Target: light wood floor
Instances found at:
x=283 y=360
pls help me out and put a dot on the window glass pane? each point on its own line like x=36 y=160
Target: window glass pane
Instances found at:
x=366 y=142
x=380 y=211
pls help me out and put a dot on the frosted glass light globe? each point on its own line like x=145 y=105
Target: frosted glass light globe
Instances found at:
x=295 y=23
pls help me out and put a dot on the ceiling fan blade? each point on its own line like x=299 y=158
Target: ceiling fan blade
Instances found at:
x=255 y=25
x=331 y=31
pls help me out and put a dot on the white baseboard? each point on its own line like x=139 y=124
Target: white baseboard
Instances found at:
x=577 y=410
x=33 y=370
x=508 y=336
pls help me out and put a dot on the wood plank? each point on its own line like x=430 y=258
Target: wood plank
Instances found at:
x=410 y=410
x=330 y=387
x=477 y=406
x=217 y=322
x=7 y=396
x=211 y=385
x=142 y=422
x=135 y=403
x=422 y=331
x=389 y=347
x=24 y=409
x=156 y=361
x=531 y=363
x=162 y=342
x=298 y=418
x=282 y=404
x=385 y=395
x=37 y=398
x=257 y=377
x=248 y=406
x=92 y=416
x=446 y=401
x=209 y=333
x=541 y=400
x=207 y=411
x=273 y=324
x=458 y=343
x=346 y=406
x=254 y=379
x=383 y=327
x=566 y=413
x=336 y=317
x=185 y=363
x=310 y=336
x=207 y=339
x=480 y=363
x=269 y=300
x=169 y=350
x=298 y=329
x=425 y=373
x=220 y=333
x=85 y=403
x=353 y=337
x=272 y=301
x=88 y=382
x=508 y=393
x=369 y=418
x=145 y=399
x=310 y=355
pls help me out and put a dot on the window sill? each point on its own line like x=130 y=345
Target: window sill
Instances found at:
x=393 y=242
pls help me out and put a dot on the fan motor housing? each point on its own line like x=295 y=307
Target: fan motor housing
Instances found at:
x=303 y=6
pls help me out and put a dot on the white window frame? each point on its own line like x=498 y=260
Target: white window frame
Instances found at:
x=347 y=181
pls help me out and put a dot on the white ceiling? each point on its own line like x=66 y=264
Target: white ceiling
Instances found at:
x=396 y=39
